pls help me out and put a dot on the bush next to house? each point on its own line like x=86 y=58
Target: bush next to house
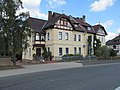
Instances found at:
x=72 y=57
x=105 y=52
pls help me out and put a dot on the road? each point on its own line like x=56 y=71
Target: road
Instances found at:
x=96 y=77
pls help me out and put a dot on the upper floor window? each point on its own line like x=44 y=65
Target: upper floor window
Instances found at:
x=66 y=36
x=37 y=36
x=60 y=35
x=74 y=37
x=102 y=39
x=42 y=37
x=48 y=36
x=79 y=37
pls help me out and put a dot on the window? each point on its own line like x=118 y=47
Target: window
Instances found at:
x=76 y=25
x=74 y=37
x=48 y=49
x=60 y=35
x=33 y=39
x=60 y=51
x=67 y=51
x=102 y=39
x=88 y=28
x=75 y=50
x=37 y=36
x=66 y=36
x=79 y=37
x=29 y=51
x=80 y=50
x=42 y=37
x=48 y=36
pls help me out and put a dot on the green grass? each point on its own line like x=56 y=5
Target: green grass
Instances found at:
x=9 y=67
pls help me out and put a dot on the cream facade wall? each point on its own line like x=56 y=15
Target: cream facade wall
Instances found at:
x=54 y=43
x=102 y=39
x=28 y=52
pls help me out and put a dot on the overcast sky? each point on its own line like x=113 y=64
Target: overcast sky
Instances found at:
x=105 y=12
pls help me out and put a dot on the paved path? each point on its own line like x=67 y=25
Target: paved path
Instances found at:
x=40 y=68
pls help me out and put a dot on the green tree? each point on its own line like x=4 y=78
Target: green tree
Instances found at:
x=96 y=45
x=103 y=51
x=14 y=27
x=113 y=53
x=89 y=45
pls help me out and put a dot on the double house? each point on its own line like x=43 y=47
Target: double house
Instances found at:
x=62 y=35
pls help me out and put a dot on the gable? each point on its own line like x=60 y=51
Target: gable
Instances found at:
x=63 y=23
x=100 y=31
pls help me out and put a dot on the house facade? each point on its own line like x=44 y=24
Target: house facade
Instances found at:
x=62 y=35
x=114 y=44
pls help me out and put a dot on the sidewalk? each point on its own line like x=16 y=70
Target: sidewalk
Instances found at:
x=40 y=68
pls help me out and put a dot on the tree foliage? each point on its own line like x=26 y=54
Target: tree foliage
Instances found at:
x=89 y=45
x=14 y=28
x=105 y=52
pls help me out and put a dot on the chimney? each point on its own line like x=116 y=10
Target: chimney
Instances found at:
x=83 y=18
x=49 y=14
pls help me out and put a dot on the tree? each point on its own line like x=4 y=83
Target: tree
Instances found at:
x=14 y=27
x=113 y=52
x=89 y=45
x=96 y=45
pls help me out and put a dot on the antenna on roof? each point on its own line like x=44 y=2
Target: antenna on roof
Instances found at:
x=62 y=11
x=99 y=23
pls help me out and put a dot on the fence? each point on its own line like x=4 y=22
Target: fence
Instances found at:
x=74 y=58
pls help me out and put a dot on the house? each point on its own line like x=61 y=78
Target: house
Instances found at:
x=114 y=44
x=100 y=33
x=62 y=35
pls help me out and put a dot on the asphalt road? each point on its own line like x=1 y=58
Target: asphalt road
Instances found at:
x=97 y=77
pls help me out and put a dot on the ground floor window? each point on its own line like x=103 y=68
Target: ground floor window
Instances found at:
x=80 y=50
x=67 y=51
x=60 y=51
x=48 y=49
x=29 y=51
x=75 y=50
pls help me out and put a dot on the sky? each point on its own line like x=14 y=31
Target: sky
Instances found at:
x=105 y=12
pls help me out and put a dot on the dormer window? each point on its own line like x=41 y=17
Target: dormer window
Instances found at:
x=88 y=28
x=63 y=23
x=76 y=25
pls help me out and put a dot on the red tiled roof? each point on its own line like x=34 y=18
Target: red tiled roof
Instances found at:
x=97 y=27
x=36 y=24
x=114 y=41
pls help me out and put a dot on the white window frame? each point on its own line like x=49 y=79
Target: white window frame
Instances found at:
x=60 y=35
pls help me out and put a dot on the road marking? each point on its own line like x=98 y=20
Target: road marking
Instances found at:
x=118 y=88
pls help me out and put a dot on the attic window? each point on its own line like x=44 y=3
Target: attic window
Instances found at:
x=88 y=28
x=75 y=25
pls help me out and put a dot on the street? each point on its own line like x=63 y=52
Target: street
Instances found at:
x=96 y=77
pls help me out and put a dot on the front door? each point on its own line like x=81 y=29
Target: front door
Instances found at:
x=38 y=51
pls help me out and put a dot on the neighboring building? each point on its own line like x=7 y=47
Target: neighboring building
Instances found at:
x=114 y=44
x=61 y=34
